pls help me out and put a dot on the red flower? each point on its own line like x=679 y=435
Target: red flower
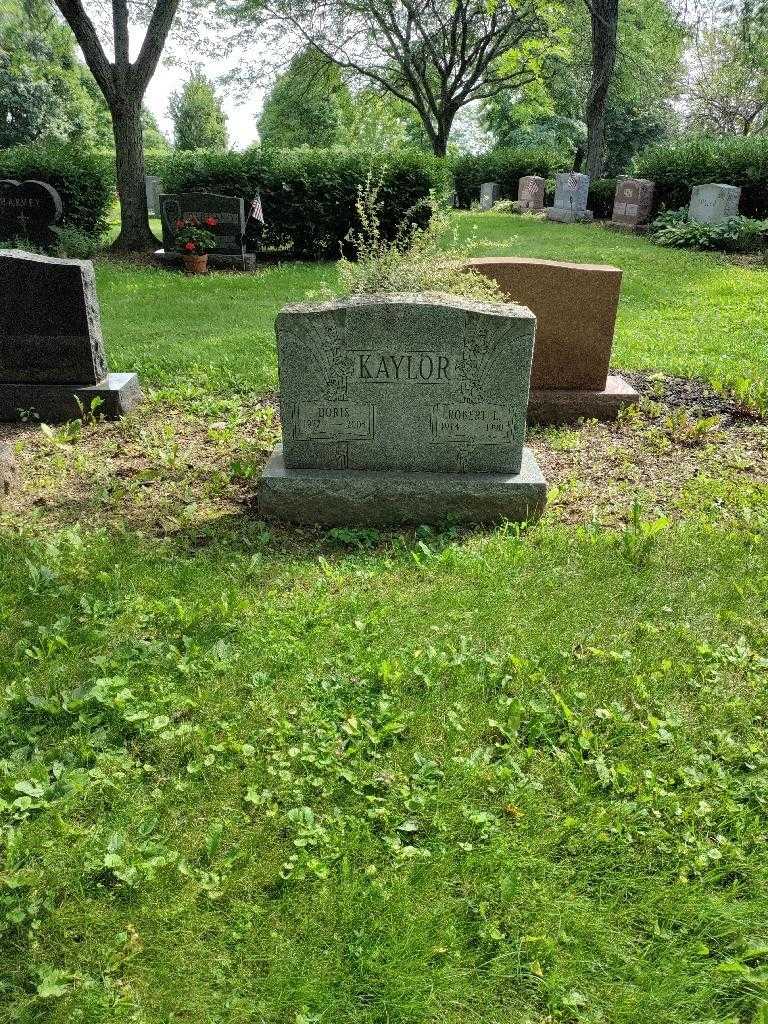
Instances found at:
x=211 y=222
x=190 y=246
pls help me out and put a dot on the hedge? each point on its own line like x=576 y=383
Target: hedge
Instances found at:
x=84 y=179
x=506 y=166
x=309 y=195
x=733 y=160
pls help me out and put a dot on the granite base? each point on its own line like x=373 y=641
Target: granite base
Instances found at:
x=216 y=260
x=568 y=216
x=546 y=407
x=393 y=498
x=56 y=403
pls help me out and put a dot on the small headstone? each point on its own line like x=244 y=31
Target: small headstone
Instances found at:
x=633 y=201
x=51 y=346
x=8 y=470
x=530 y=192
x=490 y=193
x=713 y=203
x=227 y=211
x=571 y=195
x=154 y=186
x=29 y=210
x=403 y=408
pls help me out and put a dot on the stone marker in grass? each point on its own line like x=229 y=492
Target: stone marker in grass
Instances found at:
x=530 y=193
x=51 y=351
x=713 y=203
x=633 y=202
x=403 y=409
x=29 y=210
x=575 y=306
x=571 y=194
x=490 y=192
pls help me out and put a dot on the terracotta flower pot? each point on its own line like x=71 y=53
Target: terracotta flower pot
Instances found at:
x=194 y=264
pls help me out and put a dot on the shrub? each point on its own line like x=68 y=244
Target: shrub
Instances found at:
x=414 y=260
x=506 y=166
x=736 y=234
x=309 y=196
x=677 y=166
x=75 y=244
x=602 y=192
x=84 y=179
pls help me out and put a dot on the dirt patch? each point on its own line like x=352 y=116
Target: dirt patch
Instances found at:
x=688 y=393
x=165 y=471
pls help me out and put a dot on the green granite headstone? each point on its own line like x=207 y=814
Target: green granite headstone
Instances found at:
x=411 y=382
x=401 y=408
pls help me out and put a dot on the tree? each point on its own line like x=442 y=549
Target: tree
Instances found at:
x=604 y=20
x=729 y=80
x=434 y=55
x=123 y=84
x=198 y=120
x=43 y=87
x=307 y=105
x=639 y=106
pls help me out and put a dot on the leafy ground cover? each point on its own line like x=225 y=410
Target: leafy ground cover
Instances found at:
x=251 y=774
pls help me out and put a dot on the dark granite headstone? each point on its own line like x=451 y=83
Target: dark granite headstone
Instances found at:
x=51 y=346
x=228 y=211
x=29 y=210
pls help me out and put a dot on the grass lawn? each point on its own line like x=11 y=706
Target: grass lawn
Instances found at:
x=271 y=776
x=686 y=313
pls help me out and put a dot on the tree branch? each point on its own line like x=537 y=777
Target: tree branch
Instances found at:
x=87 y=37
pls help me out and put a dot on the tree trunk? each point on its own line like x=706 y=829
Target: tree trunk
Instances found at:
x=135 y=234
x=440 y=137
x=604 y=15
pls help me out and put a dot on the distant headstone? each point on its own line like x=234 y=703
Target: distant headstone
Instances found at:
x=51 y=347
x=633 y=201
x=154 y=186
x=530 y=192
x=490 y=192
x=713 y=203
x=571 y=195
x=403 y=408
x=29 y=210
x=228 y=212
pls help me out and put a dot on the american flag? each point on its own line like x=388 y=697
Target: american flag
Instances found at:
x=256 y=211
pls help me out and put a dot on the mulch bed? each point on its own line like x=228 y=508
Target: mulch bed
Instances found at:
x=698 y=397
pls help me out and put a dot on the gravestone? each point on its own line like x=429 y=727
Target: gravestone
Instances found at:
x=154 y=186
x=575 y=306
x=228 y=211
x=530 y=192
x=51 y=349
x=402 y=409
x=571 y=195
x=490 y=191
x=29 y=210
x=633 y=201
x=713 y=203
